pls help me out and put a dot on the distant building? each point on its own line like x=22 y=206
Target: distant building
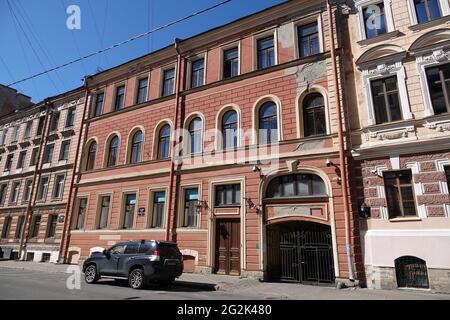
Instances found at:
x=37 y=152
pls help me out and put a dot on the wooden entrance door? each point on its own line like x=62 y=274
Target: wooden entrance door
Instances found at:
x=228 y=244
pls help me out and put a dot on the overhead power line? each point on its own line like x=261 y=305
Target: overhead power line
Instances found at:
x=123 y=42
x=29 y=42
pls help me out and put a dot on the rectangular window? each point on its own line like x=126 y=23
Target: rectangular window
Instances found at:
x=120 y=98
x=168 y=82
x=14 y=192
x=427 y=10
x=3 y=138
x=374 y=20
x=98 y=107
x=19 y=228
x=105 y=203
x=399 y=194
x=6 y=227
x=21 y=160
x=81 y=214
x=28 y=130
x=51 y=225
x=142 y=91
x=40 y=127
x=191 y=208
x=43 y=188
x=65 y=148
x=439 y=86
x=230 y=63
x=48 y=153
x=197 y=73
x=447 y=174
x=54 y=122
x=386 y=101
x=3 y=188
x=266 y=52
x=228 y=195
x=70 y=120
x=9 y=161
x=130 y=205
x=308 y=40
x=27 y=190
x=34 y=156
x=35 y=225
x=15 y=135
x=58 y=189
x=159 y=202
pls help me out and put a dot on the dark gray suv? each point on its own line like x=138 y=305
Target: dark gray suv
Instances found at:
x=139 y=262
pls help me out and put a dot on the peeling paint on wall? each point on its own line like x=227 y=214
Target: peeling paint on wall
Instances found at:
x=286 y=35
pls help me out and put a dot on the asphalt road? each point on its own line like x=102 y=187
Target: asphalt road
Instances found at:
x=20 y=284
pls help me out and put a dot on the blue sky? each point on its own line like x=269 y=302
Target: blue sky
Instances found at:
x=49 y=43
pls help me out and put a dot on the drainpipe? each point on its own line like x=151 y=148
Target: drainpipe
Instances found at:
x=24 y=235
x=171 y=234
x=342 y=156
x=64 y=245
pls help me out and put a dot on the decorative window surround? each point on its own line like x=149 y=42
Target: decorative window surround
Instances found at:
x=444 y=5
x=440 y=164
x=391 y=134
x=381 y=71
x=425 y=60
x=361 y=4
x=418 y=190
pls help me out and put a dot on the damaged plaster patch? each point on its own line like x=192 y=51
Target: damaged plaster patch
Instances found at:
x=286 y=35
x=308 y=74
x=312 y=145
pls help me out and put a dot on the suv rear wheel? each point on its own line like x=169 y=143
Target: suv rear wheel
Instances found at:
x=90 y=274
x=137 y=279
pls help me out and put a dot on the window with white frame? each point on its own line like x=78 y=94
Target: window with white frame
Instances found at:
x=375 y=17
x=423 y=11
x=433 y=66
x=386 y=92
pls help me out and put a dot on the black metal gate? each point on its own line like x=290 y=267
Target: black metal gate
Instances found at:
x=300 y=252
x=411 y=272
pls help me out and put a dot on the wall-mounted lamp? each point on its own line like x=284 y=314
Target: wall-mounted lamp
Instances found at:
x=251 y=205
x=256 y=168
x=203 y=204
x=364 y=211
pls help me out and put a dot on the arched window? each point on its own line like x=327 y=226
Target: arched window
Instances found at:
x=300 y=185
x=91 y=153
x=314 y=121
x=229 y=129
x=136 y=148
x=268 y=123
x=113 y=152
x=164 y=142
x=195 y=135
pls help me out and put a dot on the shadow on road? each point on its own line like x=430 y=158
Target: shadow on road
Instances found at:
x=177 y=286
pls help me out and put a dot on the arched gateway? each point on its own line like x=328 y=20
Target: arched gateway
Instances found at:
x=298 y=233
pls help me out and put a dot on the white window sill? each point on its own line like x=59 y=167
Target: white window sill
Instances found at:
x=405 y=219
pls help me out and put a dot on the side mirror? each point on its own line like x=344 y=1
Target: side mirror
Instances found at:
x=106 y=253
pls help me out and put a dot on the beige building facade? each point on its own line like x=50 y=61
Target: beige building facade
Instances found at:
x=400 y=122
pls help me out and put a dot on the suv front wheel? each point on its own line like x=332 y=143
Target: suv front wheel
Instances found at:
x=90 y=274
x=137 y=279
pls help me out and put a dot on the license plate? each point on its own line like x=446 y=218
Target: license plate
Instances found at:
x=171 y=263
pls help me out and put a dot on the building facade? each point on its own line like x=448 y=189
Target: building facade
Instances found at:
x=249 y=114
x=401 y=140
x=38 y=146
